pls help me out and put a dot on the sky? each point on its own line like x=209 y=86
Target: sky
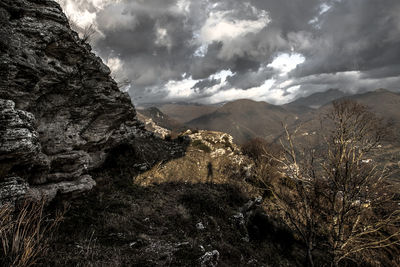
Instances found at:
x=212 y=51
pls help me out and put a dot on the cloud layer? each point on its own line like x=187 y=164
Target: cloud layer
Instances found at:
x=219 y=50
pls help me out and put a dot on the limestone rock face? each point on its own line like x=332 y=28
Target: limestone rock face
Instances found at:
x=60 y=111
x=18 y=138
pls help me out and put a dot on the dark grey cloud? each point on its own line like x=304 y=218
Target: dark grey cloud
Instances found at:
x=347 y=44
x=290 y=16
x=355 y=35
x=153 y=43
x=383 y=72
x=250 y=79
x=206 y=83
x=203 y=67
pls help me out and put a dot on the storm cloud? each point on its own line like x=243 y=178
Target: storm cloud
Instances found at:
x=219 y=50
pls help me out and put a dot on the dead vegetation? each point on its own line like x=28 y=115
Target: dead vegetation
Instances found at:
x=25 y=233
x=332 y=197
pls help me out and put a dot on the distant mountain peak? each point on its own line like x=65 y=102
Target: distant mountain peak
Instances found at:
x=318 y=99
x=382 y=90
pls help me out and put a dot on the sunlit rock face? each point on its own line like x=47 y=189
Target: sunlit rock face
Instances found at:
x=60 y=110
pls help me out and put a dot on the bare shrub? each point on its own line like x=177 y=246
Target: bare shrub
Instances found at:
x=85 y=33
x=88 y=33
x=266 y=169
x=255 y=149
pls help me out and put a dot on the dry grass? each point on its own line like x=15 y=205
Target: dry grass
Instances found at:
x=189 y=169
x=25 y=233
x=233 y=169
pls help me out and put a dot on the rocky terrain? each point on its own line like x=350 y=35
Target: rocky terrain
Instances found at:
x=158 y=122
x=60 y=111
x=152 y=126
x=175 y=214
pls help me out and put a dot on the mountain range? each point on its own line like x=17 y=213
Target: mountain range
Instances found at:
x=314 y=101
x=246 y=119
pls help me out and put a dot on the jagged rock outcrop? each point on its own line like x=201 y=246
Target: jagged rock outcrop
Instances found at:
x=60 y=111
x=19 y=140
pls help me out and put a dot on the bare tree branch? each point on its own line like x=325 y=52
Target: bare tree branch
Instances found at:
x=337 y=192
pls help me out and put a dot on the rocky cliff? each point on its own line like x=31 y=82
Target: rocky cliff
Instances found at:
x=60 y=111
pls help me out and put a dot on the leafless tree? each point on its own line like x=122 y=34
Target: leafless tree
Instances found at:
x=297 y=195
x=358 y=205
x=337 y=191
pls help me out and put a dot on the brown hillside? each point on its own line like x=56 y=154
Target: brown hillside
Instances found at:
x=246 y=119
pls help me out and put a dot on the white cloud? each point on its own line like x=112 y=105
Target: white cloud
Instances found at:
x=220 y=27
x=223 y=74
x=82 y=18
x=180 y=89
x=183 y=89
x=183 y=6
x=265 y=92
x=115 y=64
x=79 y=13
x=271 y=91
x=286 y=62
x=162 y=38
x=201 y=51
x=323 y=8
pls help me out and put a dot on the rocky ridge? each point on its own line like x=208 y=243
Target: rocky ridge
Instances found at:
x=60 y=111
x=151 y=126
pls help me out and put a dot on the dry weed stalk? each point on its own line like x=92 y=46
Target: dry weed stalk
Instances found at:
x=25 y=233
